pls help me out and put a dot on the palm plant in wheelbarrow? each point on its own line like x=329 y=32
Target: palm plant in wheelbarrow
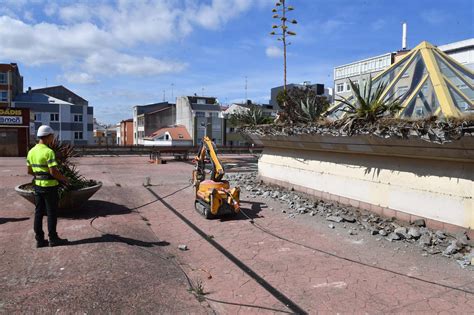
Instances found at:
x=79 y=189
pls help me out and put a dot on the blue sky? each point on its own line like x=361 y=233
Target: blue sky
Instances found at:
x=117 y=54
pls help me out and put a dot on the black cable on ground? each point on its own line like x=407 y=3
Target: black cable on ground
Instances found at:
x=267 y=286
x=265 y=230
x=191 y=285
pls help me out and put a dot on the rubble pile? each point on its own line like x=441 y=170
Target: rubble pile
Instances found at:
x=430 y=129
x=355 y=220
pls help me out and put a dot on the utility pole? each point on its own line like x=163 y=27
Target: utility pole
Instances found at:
x=280 y=12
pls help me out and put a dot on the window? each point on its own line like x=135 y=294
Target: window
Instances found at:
x=348 y=87
x=340 y=87
x=3 y=78
x=54 y=117
x=200 y=114
x=167 y=137
x=3 y=96
x=78 y=118
x=401 y=90
x=38 y=117
x=77 y=135
x=201 y=101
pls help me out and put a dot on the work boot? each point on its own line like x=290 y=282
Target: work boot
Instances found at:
x=56 y=241
x=41 y=243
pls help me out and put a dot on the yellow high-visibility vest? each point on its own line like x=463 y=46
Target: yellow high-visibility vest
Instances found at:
x=41 y=158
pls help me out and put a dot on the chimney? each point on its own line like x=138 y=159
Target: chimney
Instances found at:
x=29 y=90
x=404 y=36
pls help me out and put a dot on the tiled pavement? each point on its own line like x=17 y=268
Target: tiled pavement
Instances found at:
x=314 y=281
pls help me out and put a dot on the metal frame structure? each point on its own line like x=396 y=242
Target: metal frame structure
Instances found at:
x=428 y=64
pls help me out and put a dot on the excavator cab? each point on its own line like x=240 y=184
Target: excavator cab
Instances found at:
x=213 y=195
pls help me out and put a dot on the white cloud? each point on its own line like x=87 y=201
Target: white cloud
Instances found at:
x=79 y=78
x=111 y=62
x=274 y=52
x=434 y=16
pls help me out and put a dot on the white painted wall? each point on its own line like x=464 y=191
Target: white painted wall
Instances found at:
x=438 y=190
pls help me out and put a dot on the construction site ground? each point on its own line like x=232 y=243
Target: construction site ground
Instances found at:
x=124 y=254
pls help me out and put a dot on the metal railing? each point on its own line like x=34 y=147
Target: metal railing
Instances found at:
x=183 y=151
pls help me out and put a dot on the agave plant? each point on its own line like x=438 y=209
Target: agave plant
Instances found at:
x=369 y=106
x=64 y=155
x=252 y=117
x=302 y=105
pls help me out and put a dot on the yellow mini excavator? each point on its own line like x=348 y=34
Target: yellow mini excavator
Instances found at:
x=214 y=197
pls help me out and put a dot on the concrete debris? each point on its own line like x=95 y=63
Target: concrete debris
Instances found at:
x=182 y=247
x=335 y=219
x=419 y=223
x=393 y=237
x=401 y=232
x=425 y=240
x=414 y=233
x=451 y=249
x=295 y=204
x=348 y=219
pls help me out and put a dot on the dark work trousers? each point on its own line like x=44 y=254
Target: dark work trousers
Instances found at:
x=46 y=201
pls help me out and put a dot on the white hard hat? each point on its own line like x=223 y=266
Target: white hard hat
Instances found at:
x=44 y=131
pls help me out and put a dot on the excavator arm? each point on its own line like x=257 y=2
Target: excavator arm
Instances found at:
x=208 y=150
x=213 y=196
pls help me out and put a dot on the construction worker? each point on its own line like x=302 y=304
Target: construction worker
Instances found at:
x=41 y=162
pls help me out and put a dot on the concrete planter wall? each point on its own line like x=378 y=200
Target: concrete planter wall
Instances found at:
x=407 y=179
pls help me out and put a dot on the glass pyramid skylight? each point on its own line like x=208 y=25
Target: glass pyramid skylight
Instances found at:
x=428 y=82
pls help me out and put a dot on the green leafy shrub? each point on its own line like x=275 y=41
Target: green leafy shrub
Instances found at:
x=252 y=116
x=301 y=105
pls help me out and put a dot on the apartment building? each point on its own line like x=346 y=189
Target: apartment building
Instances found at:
x=201 y=116
x=73 y=123
x=149 y=118
x=125 y=132
x=11 y=83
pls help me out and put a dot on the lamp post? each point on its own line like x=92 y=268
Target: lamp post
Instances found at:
x=280 y=12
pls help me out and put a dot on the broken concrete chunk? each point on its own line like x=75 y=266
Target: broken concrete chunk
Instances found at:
x=451 y=249
x=382 y=232
x=419 y=223
x=401 y=232
x=334 y=218
x=425 y=240
x=302 y=210
x=414 y=232
x=393 y=237
x=440 y=235
x=349 y=219
x=182 y=247
x=331 y=226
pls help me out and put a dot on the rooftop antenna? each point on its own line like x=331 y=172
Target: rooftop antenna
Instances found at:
x=404 y=36
x=246 y=89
